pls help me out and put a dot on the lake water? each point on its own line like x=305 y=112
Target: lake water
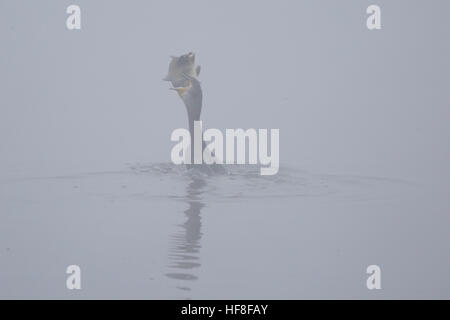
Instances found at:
x=161 y=231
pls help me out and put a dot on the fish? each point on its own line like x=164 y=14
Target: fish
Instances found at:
x=181 y=66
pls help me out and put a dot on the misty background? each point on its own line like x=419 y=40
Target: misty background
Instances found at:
x=347 y=100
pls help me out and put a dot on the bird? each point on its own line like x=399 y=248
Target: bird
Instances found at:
x=192 y=96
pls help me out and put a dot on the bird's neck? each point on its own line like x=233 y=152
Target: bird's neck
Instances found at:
x=191 y=120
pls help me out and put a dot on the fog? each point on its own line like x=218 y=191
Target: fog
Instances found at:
x=85 y=125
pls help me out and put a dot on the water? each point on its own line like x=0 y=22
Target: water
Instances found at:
x=161 y=231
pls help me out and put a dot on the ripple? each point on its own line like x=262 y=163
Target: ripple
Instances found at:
x=243 y=182
x=166 y=181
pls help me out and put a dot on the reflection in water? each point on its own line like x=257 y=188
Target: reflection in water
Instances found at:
x=184 y=256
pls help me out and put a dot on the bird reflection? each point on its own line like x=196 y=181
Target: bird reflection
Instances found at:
x=185 y=250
